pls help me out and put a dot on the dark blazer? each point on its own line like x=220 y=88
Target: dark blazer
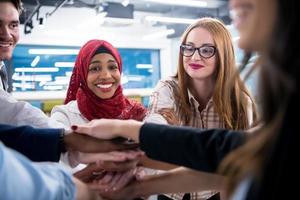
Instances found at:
x=190 y=147
x=36 y=144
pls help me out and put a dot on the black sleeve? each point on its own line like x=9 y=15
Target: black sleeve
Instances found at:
x=36 y=144
x=190 y=147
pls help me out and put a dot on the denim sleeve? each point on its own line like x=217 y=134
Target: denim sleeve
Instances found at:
x=26 y=180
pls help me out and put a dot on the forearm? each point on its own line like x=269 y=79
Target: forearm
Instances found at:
x=154 y=164
x=179 y=180
x=36 y=144
x=128 y=129
x=194 y=148
x=22 y=179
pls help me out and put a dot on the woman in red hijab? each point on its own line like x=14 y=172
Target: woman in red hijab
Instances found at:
x=95 y=89
x=95 y=92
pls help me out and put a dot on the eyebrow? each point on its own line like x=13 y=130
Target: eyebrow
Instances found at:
x=204 y=44
x=13 y=21
x=98 y=61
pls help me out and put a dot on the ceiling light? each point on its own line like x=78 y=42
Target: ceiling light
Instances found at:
x=170 y=20
x=125 y=3
x=188 y=3
x=124 y=21
x=144 y=66
x=38 y=69
x=54 y=51
x=64 y=64
x=159 y=34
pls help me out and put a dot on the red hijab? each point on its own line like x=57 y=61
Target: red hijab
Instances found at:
x=90 y=105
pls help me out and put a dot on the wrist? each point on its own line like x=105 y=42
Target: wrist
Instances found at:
x=129 y=129
x=62 y=143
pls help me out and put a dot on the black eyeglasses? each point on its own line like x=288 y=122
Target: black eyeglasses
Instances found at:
x=206 y=51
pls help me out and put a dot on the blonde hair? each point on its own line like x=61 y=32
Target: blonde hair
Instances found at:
x=230 y=97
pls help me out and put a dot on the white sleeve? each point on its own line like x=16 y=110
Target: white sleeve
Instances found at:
x=14 y=112
x=60 y=114
x=162 y=97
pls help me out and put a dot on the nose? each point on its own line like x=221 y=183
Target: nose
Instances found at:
x=196 y=55
x=4 y=32
x=104 y=74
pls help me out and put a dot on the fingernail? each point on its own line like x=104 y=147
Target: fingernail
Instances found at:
x=74 y=127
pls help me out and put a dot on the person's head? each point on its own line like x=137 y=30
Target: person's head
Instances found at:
x=216 y=62
x=217 y=51
x=104 y=76
x=9 y=27
x=97 y=71
x=270 y=27
x=254 y=20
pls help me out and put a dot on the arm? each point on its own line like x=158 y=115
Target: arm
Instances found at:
x=162 y=97
x=194 y=148
x=36 y=144
x=21 y=113
x=173 y=181
x=22 y=179
x=48 y=144
x=63 y=115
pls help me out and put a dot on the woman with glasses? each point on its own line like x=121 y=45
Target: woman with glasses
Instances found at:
x=202 y=94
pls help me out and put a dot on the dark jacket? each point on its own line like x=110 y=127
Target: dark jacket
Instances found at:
x=190 y=147
x=36 y=144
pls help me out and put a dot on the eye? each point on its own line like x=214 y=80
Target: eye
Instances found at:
x=188 y=48
x=14 y=25
x=94 y=69
x=207 y=50
x=113 y=67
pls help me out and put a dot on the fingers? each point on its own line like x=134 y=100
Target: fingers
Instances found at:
x=169 y=115
x=124 y=179
x=84 y=143
x=83 y=129
x=89 y=173
x=94 y=157
x=118 y=166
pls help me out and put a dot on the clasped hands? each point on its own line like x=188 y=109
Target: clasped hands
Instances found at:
x=112 y=160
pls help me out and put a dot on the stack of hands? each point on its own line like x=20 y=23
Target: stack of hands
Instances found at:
x=113 y=163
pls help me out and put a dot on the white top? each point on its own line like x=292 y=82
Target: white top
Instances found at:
x=68 y=114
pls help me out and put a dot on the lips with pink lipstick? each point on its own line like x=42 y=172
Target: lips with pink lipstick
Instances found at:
x=195 y=66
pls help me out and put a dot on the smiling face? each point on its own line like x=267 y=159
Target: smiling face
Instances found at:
x=104 y=76
x=254 y=20
x=9 y=29
x=196 y=66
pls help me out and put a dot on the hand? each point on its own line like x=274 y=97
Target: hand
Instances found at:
x=110 y=128
x=129 y=192
x=83 y=192
x=76 y=157
x=169 y=115
x=87 y=144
